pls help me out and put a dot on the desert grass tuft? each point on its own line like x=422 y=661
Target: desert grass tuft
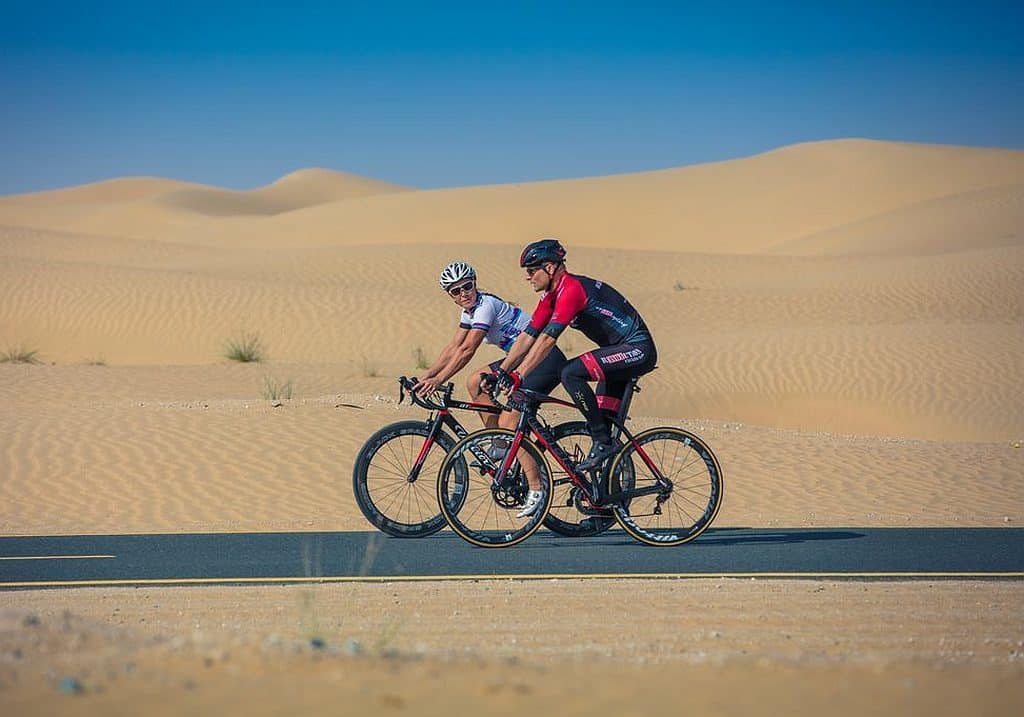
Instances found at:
x=20 y=354
x=309 y=614
x=421 y=358
x=245 y=348
x=389 y=629
x=370 y=368
x=274 y=390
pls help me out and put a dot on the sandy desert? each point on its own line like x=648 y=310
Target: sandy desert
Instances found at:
x=843 y=321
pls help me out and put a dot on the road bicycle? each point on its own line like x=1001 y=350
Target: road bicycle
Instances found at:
x=389 y=472
x=663 y=486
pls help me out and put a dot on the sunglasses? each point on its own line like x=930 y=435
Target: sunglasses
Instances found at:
x=531 y=270
x=467 y=287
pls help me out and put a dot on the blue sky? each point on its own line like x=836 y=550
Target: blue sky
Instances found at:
x=449 y=94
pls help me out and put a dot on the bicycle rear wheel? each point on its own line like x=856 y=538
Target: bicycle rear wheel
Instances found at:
x=481 y=510
x=381 y=481
x=685 y=484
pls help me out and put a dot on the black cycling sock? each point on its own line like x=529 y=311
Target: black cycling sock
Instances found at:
x=584 y=398
x=608 y=416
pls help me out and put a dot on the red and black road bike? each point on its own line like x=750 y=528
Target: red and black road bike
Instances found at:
x=663 y=485
x=395 y=473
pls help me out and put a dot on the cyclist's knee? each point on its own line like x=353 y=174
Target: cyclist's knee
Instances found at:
x=473 y=382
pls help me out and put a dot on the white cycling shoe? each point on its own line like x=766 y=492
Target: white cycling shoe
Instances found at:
x=534 y=499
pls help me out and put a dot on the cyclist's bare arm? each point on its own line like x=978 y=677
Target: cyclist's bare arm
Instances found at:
x=446 y=353
x=539 y=351
x=516 y=354
x=461 y=355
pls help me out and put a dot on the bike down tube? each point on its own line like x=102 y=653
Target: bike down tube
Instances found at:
x=517 y=440
x=558 y=454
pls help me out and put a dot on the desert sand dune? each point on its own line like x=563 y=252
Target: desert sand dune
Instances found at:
x=972 y=220
x=123 y=189
x=925 y=346
x=297 y=190
x=734 y=207
x=740 y=206
x=134 y=207
x=842 y=317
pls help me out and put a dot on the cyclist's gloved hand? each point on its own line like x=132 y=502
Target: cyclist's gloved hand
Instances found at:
x=488 y=381
x=508 y=381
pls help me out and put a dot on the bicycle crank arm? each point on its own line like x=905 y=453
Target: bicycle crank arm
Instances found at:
x=620 y=496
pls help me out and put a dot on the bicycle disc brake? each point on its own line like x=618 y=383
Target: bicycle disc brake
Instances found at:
x=511 y=492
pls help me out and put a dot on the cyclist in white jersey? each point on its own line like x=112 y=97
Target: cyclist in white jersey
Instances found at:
x=485 y=318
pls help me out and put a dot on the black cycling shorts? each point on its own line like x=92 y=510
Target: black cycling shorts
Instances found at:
x=613 y=367
x=548 y=373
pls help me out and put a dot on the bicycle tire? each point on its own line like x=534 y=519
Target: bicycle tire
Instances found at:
x=476 y=510
x=694 y=499
x=394 y=490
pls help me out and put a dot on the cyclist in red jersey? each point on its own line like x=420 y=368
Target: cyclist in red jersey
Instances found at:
x=625 y=345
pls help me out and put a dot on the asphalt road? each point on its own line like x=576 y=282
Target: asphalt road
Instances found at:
x=879 y=553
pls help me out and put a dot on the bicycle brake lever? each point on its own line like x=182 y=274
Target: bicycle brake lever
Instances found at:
x=493 y=392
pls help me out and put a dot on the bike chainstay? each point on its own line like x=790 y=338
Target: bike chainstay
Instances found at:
x=544 y=431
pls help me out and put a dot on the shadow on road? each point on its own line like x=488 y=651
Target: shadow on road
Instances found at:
x=722 y=536
x=713 y=536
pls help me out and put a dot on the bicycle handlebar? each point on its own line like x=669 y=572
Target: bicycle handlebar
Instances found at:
x=409 y=384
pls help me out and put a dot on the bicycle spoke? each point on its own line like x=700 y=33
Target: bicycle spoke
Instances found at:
x=687 y=508
x=381 y=483
x=485 y=513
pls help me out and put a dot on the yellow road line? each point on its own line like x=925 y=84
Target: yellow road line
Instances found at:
x=446 y=578
x=55 y=557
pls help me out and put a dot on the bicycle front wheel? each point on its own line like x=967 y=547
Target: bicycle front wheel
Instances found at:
x=677 y=487
x=481 y=506
x=393 y=493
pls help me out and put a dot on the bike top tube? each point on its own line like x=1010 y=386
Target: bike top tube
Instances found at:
x=446 y=401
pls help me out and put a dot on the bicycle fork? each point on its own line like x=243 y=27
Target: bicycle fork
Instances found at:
x=428 y=442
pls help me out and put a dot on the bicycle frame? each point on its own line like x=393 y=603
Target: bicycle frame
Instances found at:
x=530 y=425
x=440 y=415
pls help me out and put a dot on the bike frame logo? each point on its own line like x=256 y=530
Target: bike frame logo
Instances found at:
x=666 y=538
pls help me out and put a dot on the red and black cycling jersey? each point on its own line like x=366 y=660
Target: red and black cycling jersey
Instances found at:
x=591 y=306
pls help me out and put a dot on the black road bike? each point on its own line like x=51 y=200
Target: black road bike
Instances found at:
x=394 y=477
x=663 y=486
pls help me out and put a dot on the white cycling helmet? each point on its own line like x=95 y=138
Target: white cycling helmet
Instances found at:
x=454 y=273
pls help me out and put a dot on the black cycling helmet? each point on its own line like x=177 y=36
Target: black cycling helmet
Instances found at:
x=541 y=251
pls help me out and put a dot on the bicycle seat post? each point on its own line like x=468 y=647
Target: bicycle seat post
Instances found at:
x=627 y=398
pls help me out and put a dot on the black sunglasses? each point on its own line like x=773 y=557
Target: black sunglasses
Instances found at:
x=531 y=270
x=456 y=290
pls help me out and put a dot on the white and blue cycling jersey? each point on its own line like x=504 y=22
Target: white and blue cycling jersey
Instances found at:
x=502 y=321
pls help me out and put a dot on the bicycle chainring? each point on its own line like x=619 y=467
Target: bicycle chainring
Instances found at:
x=583 y=504
x=511 y=492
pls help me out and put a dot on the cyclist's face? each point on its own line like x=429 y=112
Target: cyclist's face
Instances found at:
x=464 y=293
x=539 y=277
